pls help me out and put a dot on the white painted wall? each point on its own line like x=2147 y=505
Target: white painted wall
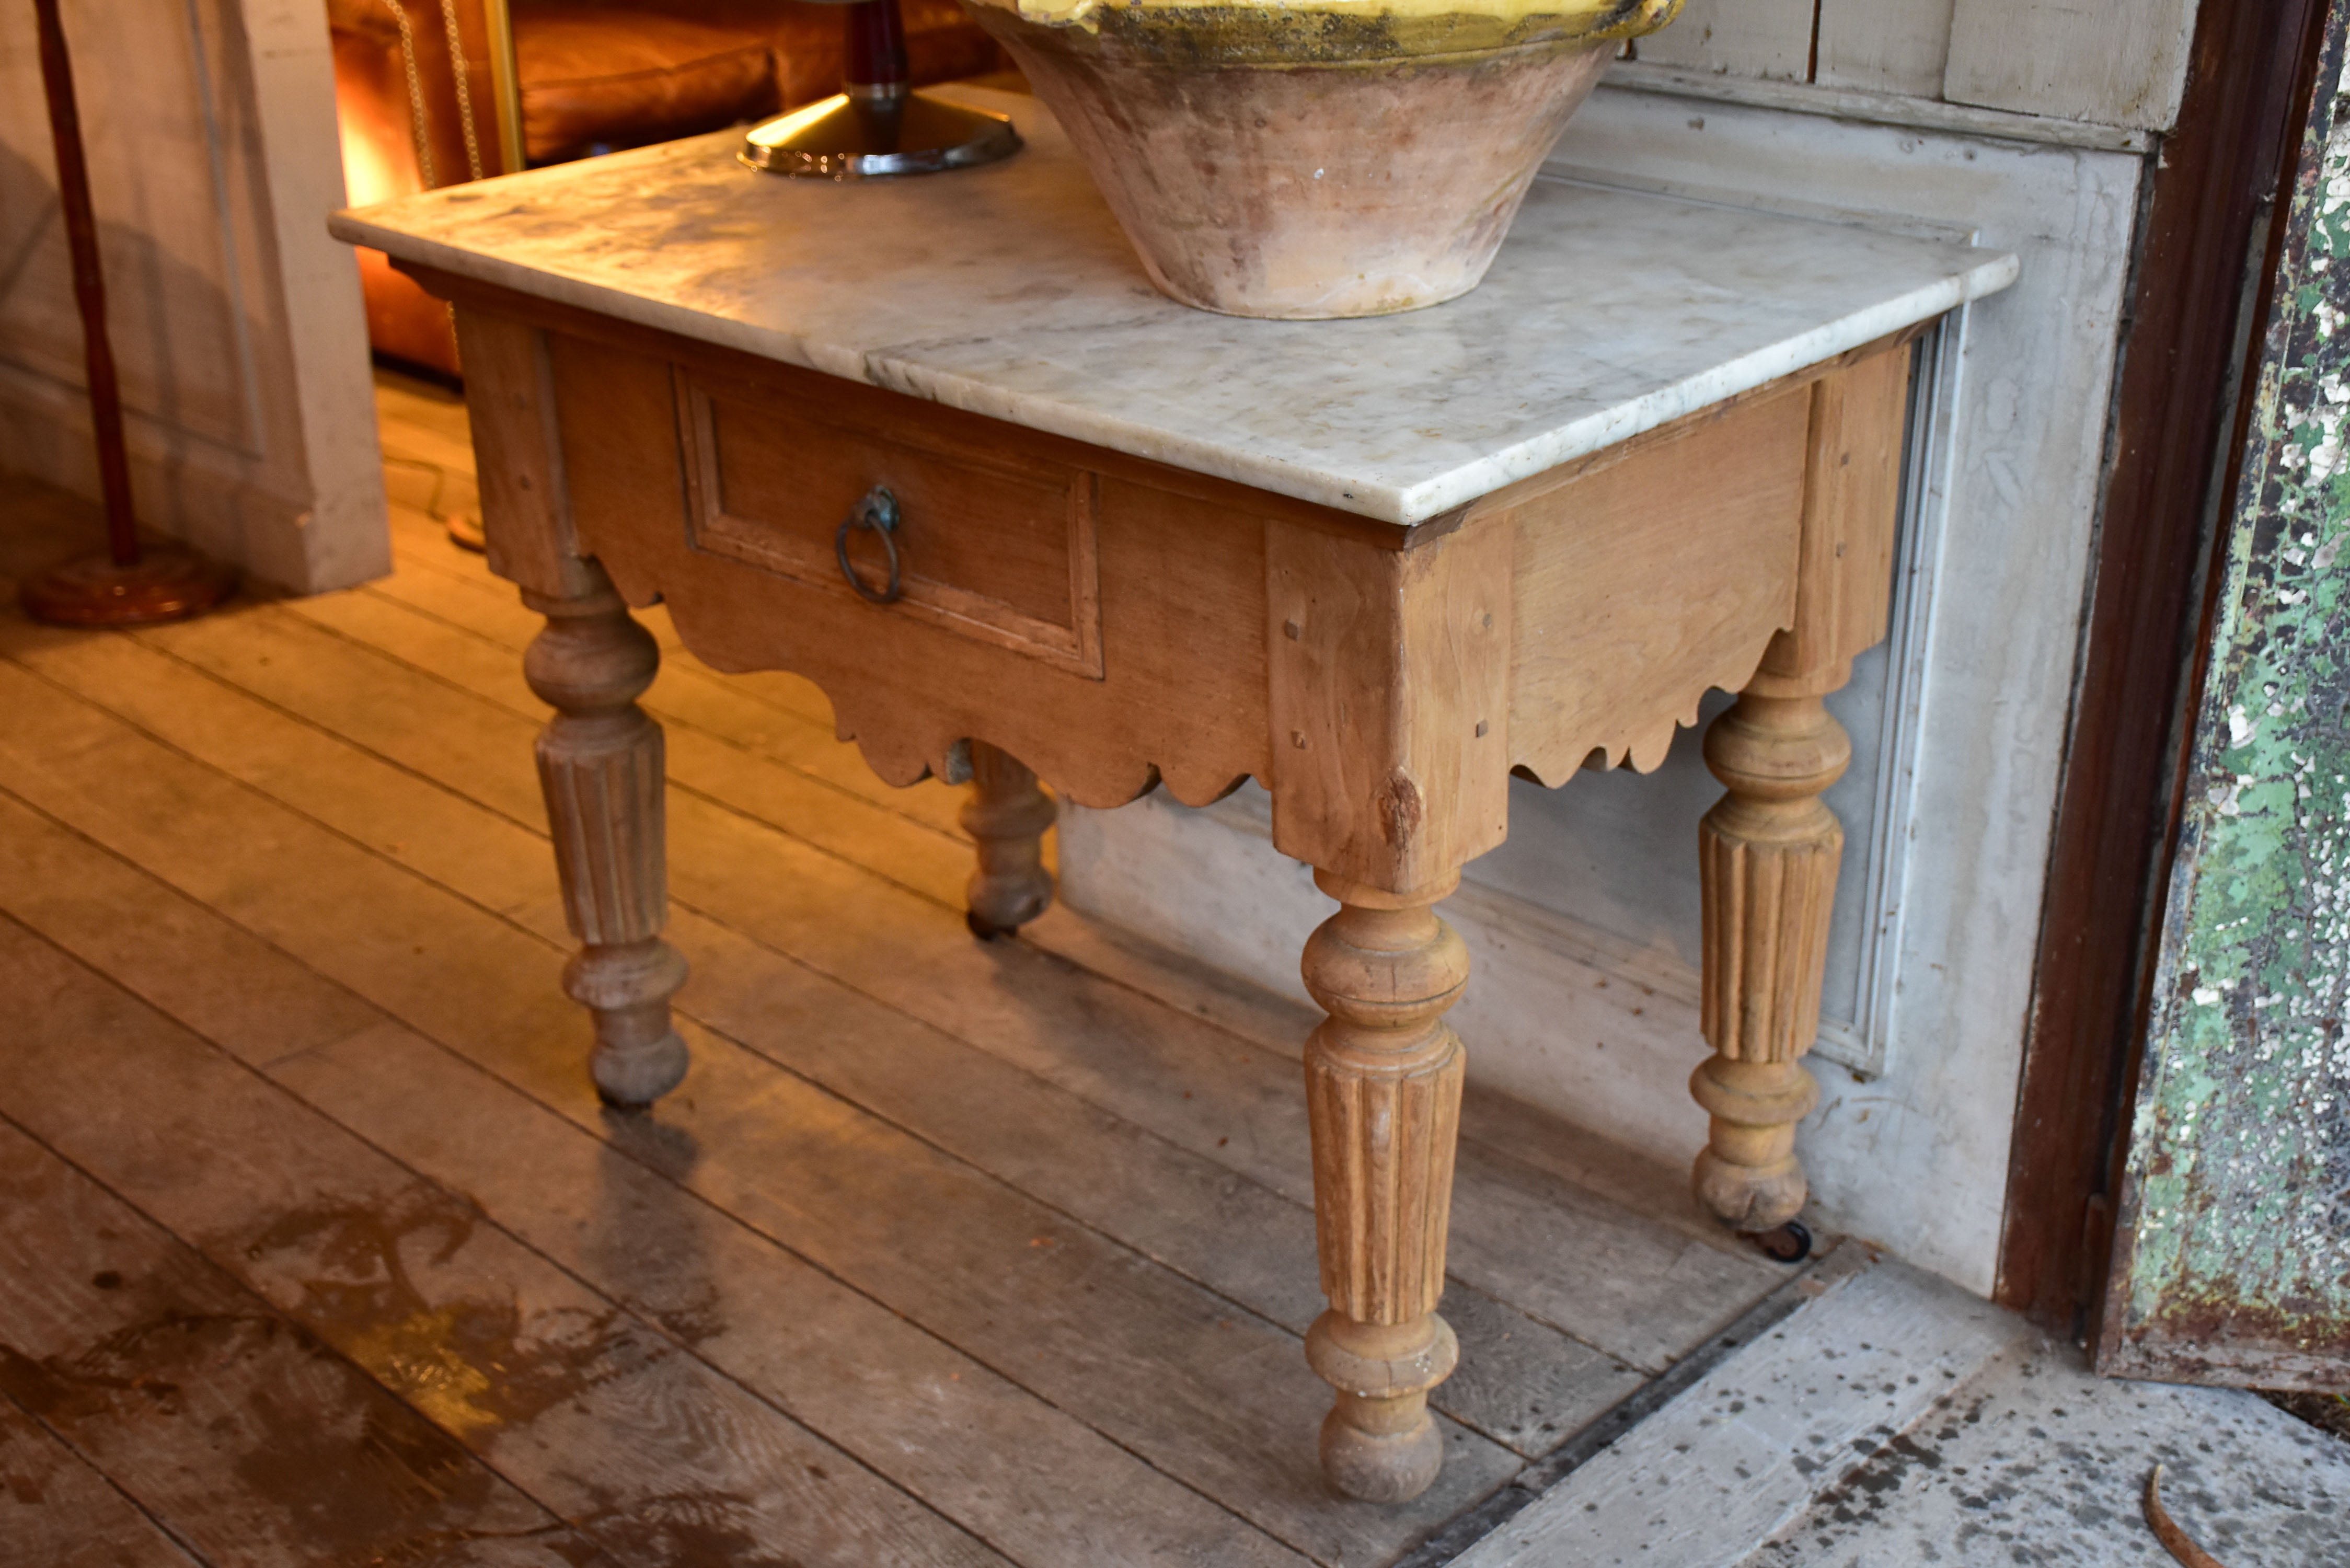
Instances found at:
x=2120 y=61
x=1584 y=925
x=235 y=319
x=2115 y=62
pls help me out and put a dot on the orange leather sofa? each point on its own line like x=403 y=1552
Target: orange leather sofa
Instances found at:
x=414 y=97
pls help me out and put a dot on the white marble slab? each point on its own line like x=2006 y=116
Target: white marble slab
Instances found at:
x=1009 y=291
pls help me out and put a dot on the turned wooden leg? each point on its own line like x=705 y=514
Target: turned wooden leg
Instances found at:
x=1383 y=1090
x=1768 y=855
x=1006 y=817
x=600 y=764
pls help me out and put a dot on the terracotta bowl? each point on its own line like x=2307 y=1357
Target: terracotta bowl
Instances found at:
x=1281 y=160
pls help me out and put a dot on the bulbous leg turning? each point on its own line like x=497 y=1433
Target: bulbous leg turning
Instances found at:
x=638 y=1055
x=1747 y=1175
x=1006 y=816
x=600 y=765
x=1768 y=855
x=1379 y=1441
x=1383 y=1077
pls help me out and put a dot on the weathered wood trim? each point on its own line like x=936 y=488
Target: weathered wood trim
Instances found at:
x=2198 y=299
x=1894 y=109
x=1882 y=46
x=2227 y=1257
x=1389 y=701
x=2121 y=62
x=1770 y=39
x=518 y=456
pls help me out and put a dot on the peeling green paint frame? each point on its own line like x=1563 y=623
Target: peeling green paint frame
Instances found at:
x=2233 y=1258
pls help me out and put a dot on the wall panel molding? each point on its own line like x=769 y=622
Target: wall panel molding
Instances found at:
x=2121 y=62
x=1884 y=45
x=1766 y=39
x=174 y=286
x=235 y=318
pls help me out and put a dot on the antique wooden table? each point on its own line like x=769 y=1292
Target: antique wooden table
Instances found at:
x=937 y=446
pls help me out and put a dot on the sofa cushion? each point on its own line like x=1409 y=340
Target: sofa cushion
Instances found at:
x=590 y=68
x=609 y=77
x=942 y=42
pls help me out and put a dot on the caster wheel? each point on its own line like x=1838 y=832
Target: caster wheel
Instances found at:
x=1789 y=1243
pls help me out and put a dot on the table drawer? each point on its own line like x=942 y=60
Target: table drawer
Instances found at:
x=992 y=545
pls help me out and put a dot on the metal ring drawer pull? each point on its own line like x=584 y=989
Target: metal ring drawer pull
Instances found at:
x=878 y=512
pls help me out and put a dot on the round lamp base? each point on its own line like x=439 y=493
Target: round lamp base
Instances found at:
x=869 y=132
x=166 y=584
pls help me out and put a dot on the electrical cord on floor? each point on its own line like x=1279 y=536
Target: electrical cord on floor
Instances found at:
x=465 y=527
x=2166 y=1530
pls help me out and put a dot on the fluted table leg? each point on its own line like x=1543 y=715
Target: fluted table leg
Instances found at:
x=1006 y=816
x=600 y=764
x=1769 y=852
x=1383 y=1077
x=1768 y=855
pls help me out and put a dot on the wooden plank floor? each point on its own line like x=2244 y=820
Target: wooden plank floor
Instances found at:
x=316 y=1245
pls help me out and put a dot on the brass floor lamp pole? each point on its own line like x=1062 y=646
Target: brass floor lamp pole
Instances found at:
x=130 y=585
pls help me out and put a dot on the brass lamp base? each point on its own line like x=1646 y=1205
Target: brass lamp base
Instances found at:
x=871 y=131
x=166 y=583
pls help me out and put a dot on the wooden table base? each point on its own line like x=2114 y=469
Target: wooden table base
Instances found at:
x=600 y=765
x=1767 y=857
x=1116 y=626
x=1768 y=853
x=1006 y=817
x=1383 y=1077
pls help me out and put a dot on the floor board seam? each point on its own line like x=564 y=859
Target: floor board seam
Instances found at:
x=254 y=762
x=181 y=751
x=769 y=947
x=759 y=823
x=714 y=919
x=1498 y=1149
x=281 y=610
x=385 y=1016
x=1724 y=1242
x=33 y=808
x=422 y=559
x=263 y=1304
x=536 y=829
x=130 y=1499
x=467 y=1202
x=666 y=717
x=803 y=964
x=1140 y=953
x=764 y=1236
x=524 y=929
x=1604 y=1431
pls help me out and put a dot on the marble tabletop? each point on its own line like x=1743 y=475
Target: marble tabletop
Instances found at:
x=1008 y=290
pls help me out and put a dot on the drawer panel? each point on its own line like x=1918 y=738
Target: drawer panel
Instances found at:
x=995 y=545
